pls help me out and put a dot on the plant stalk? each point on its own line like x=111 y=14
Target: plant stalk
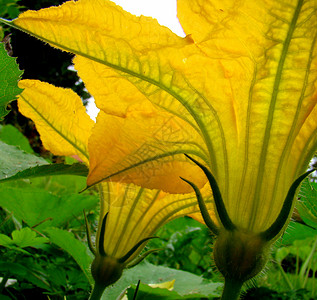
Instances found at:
x=97 y=292
x=305 y=267
x=231 y=289
x=4 y=281
x=284 y=275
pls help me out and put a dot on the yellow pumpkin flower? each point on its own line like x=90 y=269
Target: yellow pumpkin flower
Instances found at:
x=238 y=95
x=129 y=215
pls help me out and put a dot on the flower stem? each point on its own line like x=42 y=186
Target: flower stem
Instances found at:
x=284 y=275
x=97 y=292
x=231 y=289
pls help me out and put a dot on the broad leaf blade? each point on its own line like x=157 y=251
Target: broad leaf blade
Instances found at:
x=34 y=206
x=12 y=136
x=149 y=273
x=9 y=77
x=147 y=292
x=5 y=240
x=307 y=205
x=50 y=170
x=296 y=231
x=14 y=160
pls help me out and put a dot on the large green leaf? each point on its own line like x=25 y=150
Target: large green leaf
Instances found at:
x=49 y=170
x=9 y=77
x=12 y=136
x=73 y=247
x=296 y=231
x=157 y=293
x=146 y=292
x=17 y=164
x=13 y=160
x=149 y=273
x=307 y=206
x=36 y=205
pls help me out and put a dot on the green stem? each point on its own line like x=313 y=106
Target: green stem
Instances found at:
x=4 y=281
x=284 y=275
x=305 y=268
x=88 y=234
x=97 y=292
x=231 y=290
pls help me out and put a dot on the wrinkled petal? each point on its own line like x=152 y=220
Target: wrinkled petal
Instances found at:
x=145 y=148
x=266 y=53
x=118 y=96
x=59 y=116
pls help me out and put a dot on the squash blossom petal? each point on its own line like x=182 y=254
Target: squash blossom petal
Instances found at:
x=129 y=215
x=241 y=87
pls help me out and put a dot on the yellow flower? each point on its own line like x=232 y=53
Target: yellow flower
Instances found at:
x=241 y=90
x=238 y=95
x=129 y=215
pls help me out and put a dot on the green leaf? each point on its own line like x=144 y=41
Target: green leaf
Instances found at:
x=5 y=240
x=149 y=273
x=27 y=238
x=307 y=206
x=146 y=292
x=296 y=231
x=13 y=160
x=21 y=239
x=12 y=136
x=49 y=170
x=78 y=250
x=63 y=184
x=9 y=77
x=36 y=205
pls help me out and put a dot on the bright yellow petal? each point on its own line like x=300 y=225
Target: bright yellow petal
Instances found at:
x=114 y=36
x=200 y=18
x=137 y=48
x=262 y=69
x=135 y=213
x=149 y=141
x=59 y=116
x=117 y=96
